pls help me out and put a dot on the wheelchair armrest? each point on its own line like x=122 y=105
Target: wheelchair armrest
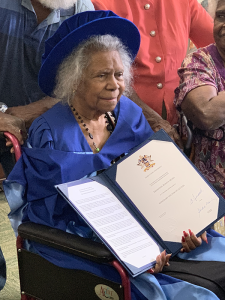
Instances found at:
x=15 y=143
x=64 y=241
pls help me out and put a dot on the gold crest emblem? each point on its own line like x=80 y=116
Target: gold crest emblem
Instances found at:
x=145 y=162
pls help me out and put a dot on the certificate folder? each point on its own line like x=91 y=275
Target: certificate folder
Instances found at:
x=141 y=204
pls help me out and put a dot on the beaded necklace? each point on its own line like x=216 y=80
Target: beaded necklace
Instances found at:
x=110 y=124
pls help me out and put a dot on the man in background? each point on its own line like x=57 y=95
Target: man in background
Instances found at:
x=24 y=27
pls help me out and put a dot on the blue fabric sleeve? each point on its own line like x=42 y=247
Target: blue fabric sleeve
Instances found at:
x=40 y=134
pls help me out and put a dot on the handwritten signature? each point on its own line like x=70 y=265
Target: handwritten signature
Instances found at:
x=204 y=206
x=195 y=198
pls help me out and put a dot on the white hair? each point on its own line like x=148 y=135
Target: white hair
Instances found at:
x=56 y=4
x=71 y=69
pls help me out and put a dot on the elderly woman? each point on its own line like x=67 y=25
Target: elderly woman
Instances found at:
x=201 y=97
x=87 y=65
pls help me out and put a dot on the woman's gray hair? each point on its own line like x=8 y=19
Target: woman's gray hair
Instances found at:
x=70 y=71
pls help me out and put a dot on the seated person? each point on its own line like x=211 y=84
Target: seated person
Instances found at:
x=87 y=64
x=201 y=97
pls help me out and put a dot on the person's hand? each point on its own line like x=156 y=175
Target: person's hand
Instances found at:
x=161 y=261
x=190 y=241
x=170 y=130
x=14 y=125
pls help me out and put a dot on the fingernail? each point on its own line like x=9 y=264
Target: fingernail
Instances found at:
x=190 y=232
x=151 y=271
x=185 y=233
x=206 y=240
x=183 y=239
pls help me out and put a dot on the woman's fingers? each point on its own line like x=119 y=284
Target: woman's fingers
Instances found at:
x=167 y=259
x=204 y=237
x=161 y=261
x=187 y=244
x=190 y=241
x=196 y=241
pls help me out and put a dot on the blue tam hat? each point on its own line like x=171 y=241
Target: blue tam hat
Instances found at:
x=79 y=28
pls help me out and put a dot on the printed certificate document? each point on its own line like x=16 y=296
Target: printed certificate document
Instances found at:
x=114 y=224
x=141 y=205
x=167 y=190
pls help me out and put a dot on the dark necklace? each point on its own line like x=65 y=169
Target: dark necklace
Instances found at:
x=110 y=121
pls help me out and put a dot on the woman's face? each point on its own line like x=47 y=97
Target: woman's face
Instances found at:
x=219 y=26
x=102 y=83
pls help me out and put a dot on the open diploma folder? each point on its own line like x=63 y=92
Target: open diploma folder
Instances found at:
x=141 y=205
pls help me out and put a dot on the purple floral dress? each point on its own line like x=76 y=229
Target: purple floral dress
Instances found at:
x=205 y=67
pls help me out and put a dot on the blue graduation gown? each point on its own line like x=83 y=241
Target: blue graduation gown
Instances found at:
x=58 y=152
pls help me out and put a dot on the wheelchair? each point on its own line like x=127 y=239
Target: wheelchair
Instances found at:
x=40 y=279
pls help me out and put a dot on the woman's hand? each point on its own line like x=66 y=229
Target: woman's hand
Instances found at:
x=161 y=261
x=191 y=241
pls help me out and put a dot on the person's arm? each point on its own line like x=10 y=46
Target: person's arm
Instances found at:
x=155 y=120
x=197 y=95
x=204 y=107
x=14 y=125
x=19 y=118
x=33 y=110
x=201 y=27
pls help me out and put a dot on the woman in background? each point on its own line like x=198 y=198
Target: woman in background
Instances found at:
x=201 y=97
